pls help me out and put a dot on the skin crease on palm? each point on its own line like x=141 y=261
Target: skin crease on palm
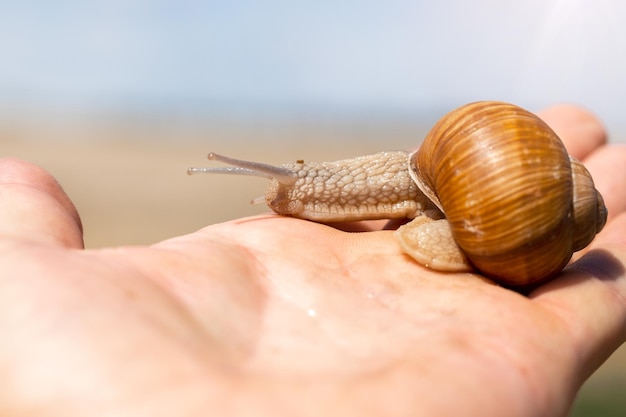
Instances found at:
x=275 y=316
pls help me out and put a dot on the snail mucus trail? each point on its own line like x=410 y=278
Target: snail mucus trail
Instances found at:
x=491 y=188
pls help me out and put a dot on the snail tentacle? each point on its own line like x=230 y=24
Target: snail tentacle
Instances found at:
x=227 y=170
x=242 y=167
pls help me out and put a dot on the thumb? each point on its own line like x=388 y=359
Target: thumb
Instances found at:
x=34 y=207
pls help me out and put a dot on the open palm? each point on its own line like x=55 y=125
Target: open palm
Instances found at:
x=268 y=316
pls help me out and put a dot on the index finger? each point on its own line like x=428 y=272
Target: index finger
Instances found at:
x=580 y=130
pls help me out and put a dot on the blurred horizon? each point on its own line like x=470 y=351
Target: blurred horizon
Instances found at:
x=245 y=61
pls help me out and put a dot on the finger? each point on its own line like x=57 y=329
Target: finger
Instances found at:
x=608 y=171
x=579 y=129
x=34 y=207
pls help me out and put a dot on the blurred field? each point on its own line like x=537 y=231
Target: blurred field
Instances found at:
x=128 y=180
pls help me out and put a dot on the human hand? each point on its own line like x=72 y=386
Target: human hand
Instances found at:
x=276 y=316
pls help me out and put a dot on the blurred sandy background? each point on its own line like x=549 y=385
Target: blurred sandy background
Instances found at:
x=129 y=181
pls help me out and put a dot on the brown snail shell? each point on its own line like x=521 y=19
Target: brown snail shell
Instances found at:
x=506 y=185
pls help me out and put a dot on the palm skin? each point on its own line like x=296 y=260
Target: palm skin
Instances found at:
x=268 y=316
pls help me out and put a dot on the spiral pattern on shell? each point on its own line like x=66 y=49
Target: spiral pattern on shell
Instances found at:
x=504 y=181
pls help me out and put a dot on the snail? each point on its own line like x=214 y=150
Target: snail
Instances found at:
x=491 y=189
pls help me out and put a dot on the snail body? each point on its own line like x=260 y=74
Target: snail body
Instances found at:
x=376 y=186
x=516 y=205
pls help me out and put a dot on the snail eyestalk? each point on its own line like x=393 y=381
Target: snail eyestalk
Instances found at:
x=241 y=167
x=257 y=200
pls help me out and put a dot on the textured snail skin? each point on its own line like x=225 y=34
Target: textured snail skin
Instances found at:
x=503 y=179
x=367 y=187
x=376 y=186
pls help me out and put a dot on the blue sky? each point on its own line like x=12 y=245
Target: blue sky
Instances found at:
x=392 y=58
